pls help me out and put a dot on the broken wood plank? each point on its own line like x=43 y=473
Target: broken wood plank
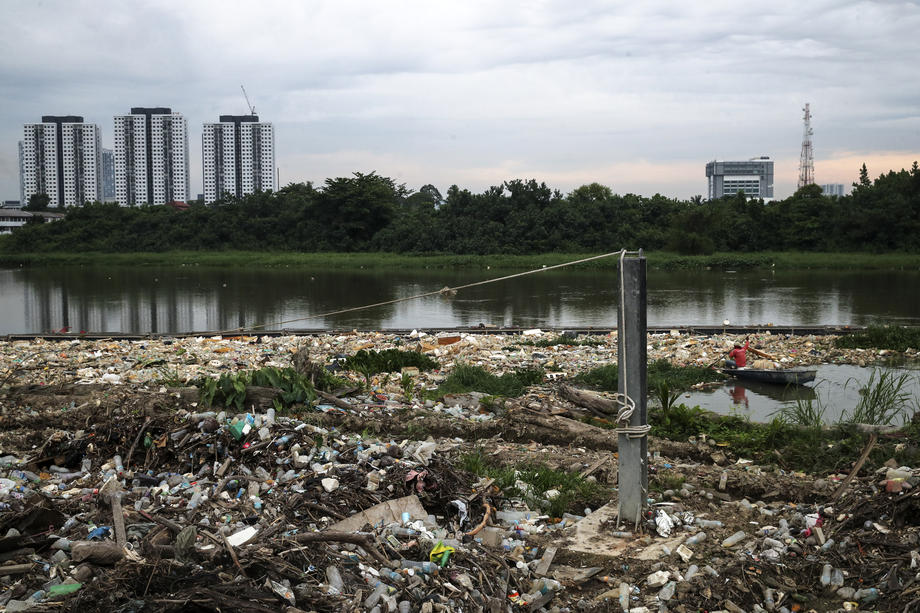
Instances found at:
x=546 y=561
x=591 y=469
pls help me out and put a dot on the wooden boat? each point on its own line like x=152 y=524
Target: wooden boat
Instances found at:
x=783 y=376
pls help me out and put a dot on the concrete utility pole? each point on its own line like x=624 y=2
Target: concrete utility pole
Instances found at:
x=632 y=441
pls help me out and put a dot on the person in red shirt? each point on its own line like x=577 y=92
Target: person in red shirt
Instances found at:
x=737 y=357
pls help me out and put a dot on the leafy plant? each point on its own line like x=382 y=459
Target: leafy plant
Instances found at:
x=531 y=482
x=408 y=386
x=230 y=388
x=896 y=338
x=666 y=396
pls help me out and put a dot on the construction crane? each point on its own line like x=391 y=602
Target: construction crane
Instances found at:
x=252 y=109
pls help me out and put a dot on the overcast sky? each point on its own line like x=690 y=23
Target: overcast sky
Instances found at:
x=637 y=96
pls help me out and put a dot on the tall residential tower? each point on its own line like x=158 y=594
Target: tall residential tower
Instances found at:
x=151 y=157
x=61 y=158
x=238 y=157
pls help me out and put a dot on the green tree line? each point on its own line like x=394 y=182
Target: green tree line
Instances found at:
x=369 y=212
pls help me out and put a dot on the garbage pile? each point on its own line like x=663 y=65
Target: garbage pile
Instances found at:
x=138 y=498
x=150 y=361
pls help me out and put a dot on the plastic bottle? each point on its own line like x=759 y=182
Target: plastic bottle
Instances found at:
x=119 y=467
x=826 y=575
x=867 y=595
x=827 y=545
x=624 y=596
x=697 y=538
x=405 y=606
x=734 y=539
x=667 y=591
x=708 y=523
x=392 y=575
x=836 y=579
x=374 y=596
x=196 y=498
x=691 y=572
x=428 y=568
x=768 y=599
x=769 y=543
x=334 y=580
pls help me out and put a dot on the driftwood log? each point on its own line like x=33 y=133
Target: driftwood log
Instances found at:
x=590 y=400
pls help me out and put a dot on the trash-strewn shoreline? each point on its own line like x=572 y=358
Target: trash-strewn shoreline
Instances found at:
x=121 y=491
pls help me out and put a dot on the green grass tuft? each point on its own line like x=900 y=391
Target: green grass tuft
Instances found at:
x=466 y=378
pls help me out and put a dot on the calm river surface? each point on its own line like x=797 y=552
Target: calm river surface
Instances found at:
x=193 y=299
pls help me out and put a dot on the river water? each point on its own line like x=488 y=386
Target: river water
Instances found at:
x=190 y=299
x=167 y=300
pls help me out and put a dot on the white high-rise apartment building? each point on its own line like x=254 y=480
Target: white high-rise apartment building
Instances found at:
x=151 y=157
x=238 y=157
x=61 y=157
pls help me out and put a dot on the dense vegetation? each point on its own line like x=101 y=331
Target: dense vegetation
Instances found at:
x=368 y=212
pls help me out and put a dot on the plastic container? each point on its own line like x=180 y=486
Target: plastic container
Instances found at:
x=334 y=580
x=734 y=539
x=667 y=592
x=691 y=572
x=429 y=568
x=697 y=538
x=866 y=595
x=374 y=596
x=826 y=575
x=624 y=596
x=708 y=523
x=404 y=606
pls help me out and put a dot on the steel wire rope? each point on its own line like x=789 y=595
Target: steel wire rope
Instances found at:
x=423 y=295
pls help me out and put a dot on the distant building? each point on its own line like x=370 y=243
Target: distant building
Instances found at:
x=108 y=175
x=12 y=204
x=61 y=158
x=10 y=219
x=833 y=189
x=22 y=179
x=754 y=177
x=151 y=157
x=238 y=157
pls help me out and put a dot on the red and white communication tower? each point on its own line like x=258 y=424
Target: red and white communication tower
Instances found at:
x=807 y=159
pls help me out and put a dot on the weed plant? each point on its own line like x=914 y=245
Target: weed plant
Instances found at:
x=229 y=390
x=805 y=412
x=466 y=378
x=661 y=375
x=895 y=338
x=370 y=363
x=531 y=482
x=883 y=400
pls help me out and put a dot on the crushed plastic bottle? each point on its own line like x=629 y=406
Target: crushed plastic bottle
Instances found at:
x=667 y=592
x=334 y=580
x=734 y=539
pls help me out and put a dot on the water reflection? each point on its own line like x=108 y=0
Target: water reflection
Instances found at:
x=189 y=298
x=836 y=389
